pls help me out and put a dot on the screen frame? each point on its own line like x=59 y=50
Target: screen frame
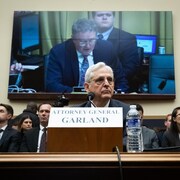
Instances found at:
x=82 y=96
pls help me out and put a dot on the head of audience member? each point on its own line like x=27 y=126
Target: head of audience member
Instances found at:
x=6 y=113
x=84 y=35
x=99 y=79
x=104 y=20
x=32 y=106
x=141 y=111
x=167 y=121
x=43 y=113
x=175 y=123
x=25 y=123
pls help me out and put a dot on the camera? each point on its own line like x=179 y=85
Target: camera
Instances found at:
x=61 y=101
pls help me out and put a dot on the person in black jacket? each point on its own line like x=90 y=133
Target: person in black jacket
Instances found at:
x=66 y=59
x=23 y=125
x=32 y=138
x=6 y=132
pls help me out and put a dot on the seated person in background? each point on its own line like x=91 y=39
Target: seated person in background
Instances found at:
x=31 y=141
x=6 y=132
x=69 y=60
x=99 y=79
x=150 y=139
x=123 y=42
x=31 y=111
x=25 y=123
x=160 y=131
x=171 y=137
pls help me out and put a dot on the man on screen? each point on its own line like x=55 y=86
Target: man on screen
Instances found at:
x=64 y=70
x=123 y=42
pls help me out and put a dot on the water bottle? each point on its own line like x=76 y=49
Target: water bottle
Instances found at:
x=134 y=131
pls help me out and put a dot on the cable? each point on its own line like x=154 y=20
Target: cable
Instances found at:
x=15 y=88
x=119 y=160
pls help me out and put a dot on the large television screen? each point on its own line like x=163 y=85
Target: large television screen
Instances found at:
x=44 y=46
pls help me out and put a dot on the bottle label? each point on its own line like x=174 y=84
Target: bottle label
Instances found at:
x=133 y=123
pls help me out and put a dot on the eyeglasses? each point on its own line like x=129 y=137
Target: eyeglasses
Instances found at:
x=102 y=80
x=83 y=43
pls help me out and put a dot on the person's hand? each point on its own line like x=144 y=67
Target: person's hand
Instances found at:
x=16 y=68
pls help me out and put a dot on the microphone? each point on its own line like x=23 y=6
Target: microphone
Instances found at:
x=90 y=97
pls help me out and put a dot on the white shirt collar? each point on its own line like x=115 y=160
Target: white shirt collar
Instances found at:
x=4 y=127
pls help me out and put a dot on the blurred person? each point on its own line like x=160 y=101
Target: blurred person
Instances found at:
x=31 y=111
x=25 y=123
x=64 y=70
x=167 y=121
x=171 y=135
x=32 y=138
x=123 y=42
x=99 y=79
x=6 y=132
x=160 y=131
x=150 y=139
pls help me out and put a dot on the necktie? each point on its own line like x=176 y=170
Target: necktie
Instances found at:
x=100 y=36
x=43 y=141
x=1 y=130
x=84 y=67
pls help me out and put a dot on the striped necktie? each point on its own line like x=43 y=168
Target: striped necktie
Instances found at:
x=43 y=141
x=1 y=130
x=84 y=67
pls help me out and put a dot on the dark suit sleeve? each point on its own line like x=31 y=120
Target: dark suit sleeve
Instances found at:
x=23 y=146
x=128 y=53
x=55 y=70
x=30 y=140
x=16 y=142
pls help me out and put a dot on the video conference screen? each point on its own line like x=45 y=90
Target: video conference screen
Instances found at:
x=37 y=34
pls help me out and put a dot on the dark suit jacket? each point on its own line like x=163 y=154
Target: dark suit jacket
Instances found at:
x=170 y=139
x=7 y=138
x=63 y=67
x=126 y=49
x=113 y=103
x=30 y=140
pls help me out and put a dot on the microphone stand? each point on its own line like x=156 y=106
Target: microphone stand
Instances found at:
x=92 y=103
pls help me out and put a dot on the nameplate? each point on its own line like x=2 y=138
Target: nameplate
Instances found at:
x=85 y=117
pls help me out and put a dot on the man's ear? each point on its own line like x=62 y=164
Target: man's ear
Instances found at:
x=10 y=116
x=86 y=87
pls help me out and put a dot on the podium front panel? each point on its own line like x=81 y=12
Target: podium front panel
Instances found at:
x=84 y=139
